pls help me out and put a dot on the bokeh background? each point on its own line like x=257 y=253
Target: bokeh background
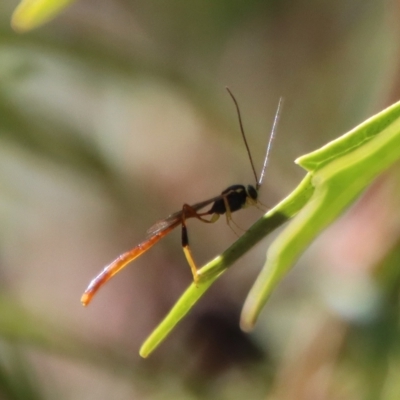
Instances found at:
x=115 y=114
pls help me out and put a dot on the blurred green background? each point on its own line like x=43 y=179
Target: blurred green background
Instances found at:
x=115 y=114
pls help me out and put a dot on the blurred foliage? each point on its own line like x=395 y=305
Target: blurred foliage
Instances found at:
x=114 y=114
x=32 y=13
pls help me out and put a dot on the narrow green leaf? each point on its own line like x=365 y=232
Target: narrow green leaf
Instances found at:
x=350 y=141
x=337 y=185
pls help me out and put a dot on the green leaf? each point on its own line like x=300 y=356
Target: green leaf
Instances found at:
x=32 y=13
x=350 y=141
x=338 y=173
x=351 y=165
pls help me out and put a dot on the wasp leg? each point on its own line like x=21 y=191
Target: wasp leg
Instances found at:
x=189 y=212
x=262 y=206
x=229 y=218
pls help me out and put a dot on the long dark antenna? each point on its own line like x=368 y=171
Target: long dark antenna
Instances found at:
x=243 y=135
x=271 y=138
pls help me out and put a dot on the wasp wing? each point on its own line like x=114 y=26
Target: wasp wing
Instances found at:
x=172 y=219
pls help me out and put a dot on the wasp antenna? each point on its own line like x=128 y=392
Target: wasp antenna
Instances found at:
x=242 y=131
x=271 y=138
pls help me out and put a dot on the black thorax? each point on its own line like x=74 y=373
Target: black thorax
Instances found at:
x=236 y=196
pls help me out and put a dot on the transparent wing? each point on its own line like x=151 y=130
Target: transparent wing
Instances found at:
x=172 y=219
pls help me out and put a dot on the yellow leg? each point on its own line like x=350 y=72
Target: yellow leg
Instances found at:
x=192 y=264
x=189 y=212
